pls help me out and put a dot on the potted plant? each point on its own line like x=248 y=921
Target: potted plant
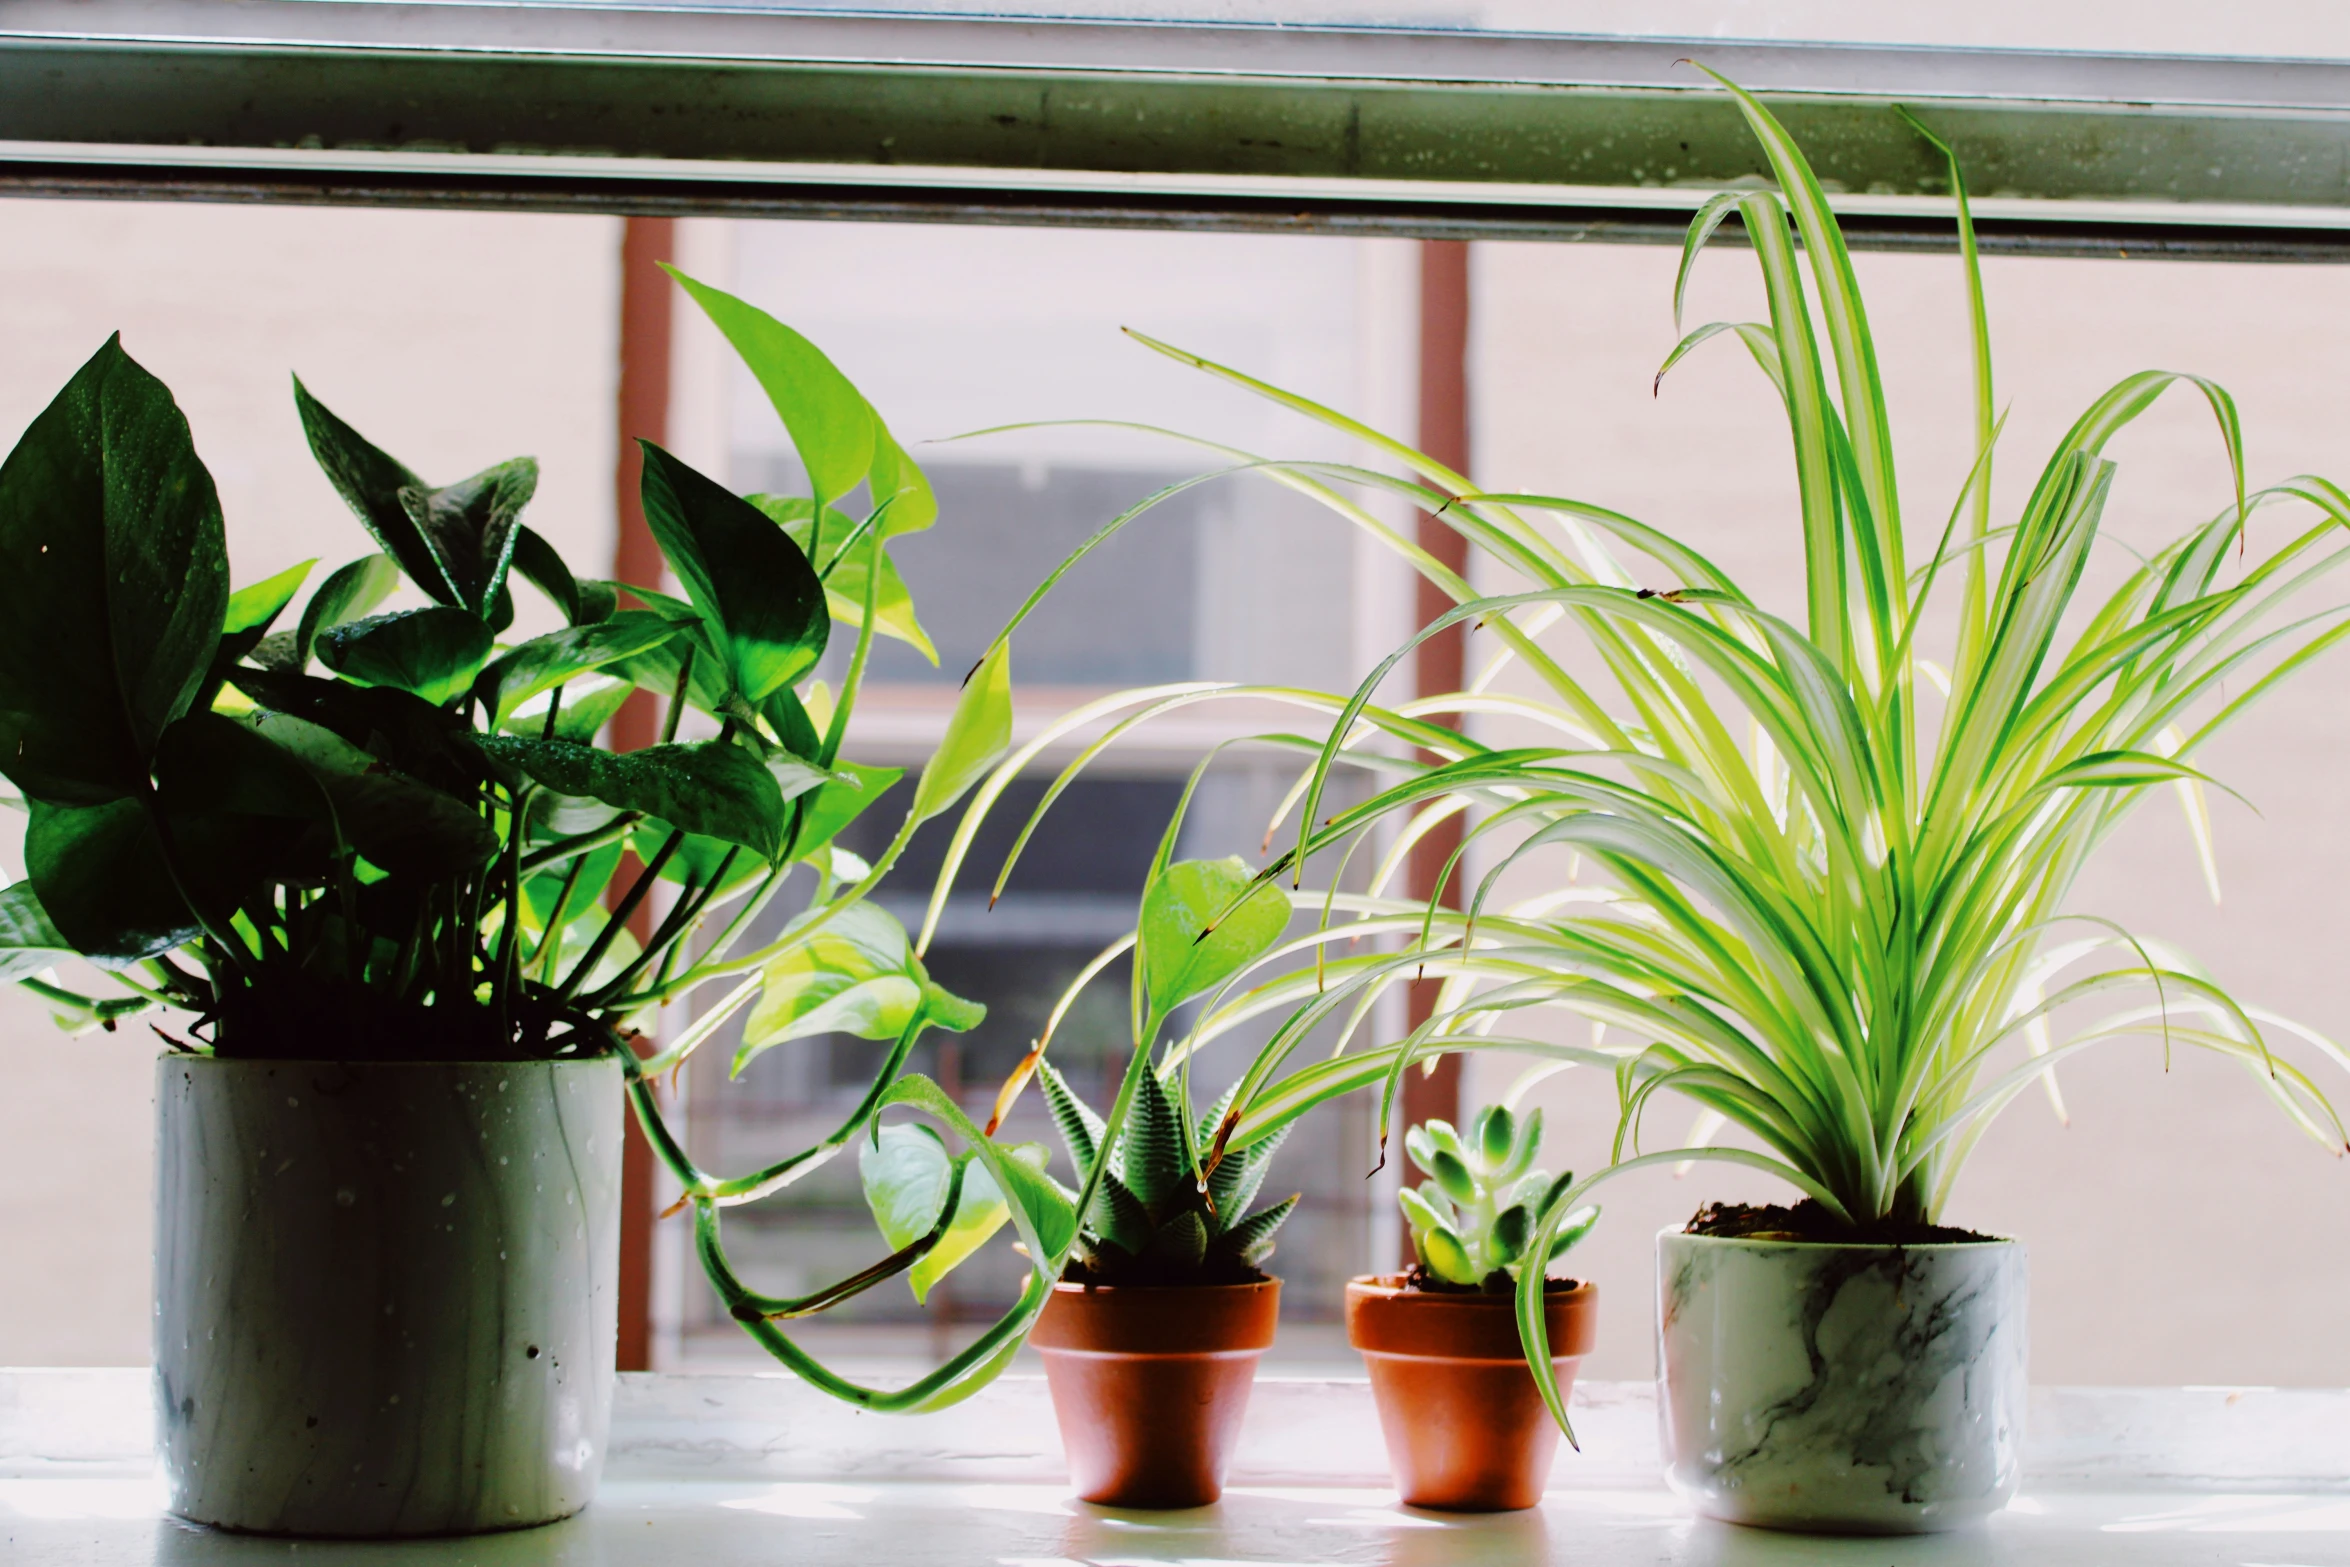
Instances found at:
x=1800 y=872
x=1465 y=1425
x=396 y=897
x=1157 y=1312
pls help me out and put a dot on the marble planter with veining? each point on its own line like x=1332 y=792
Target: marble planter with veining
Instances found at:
x=1844 y=1389
x=385 y=1293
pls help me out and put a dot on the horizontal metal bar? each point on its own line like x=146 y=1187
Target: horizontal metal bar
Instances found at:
x=1394 y=130
x=1577 y=222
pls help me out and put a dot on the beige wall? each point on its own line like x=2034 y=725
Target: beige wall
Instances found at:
x=455 y=341
x=2181 y=1230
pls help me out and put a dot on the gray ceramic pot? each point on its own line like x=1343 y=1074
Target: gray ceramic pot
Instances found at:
x=1841 y=1389
x=385 y=1294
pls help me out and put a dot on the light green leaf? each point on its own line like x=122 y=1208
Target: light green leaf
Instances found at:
x=845 y=580
x=858 y=975
x=830 y=424
x=29 y=943
x=1182 y=956
x=978 y=732
x=907 y=1172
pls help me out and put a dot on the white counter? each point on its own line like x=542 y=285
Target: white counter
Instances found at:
x=713 y=1471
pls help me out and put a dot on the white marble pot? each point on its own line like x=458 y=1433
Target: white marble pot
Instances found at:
x=385 y=1294
x=1841 y=1389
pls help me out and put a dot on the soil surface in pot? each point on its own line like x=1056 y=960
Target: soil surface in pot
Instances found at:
x=1148 y=1272
x=1498 y=1282
x=1809 y=1220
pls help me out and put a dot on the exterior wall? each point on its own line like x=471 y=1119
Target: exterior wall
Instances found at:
x=456 y=341
x=2181 y=1229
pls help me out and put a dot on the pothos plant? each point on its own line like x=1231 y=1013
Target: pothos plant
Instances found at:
x=360 y=832
x=1807 y=870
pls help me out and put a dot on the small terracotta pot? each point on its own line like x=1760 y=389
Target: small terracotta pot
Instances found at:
x=1465 y=1426
x=1149 y=1384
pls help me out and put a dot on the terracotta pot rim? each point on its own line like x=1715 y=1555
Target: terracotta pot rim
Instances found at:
x=1881 y=1248
x=1077 y=1288
x=333 y=1063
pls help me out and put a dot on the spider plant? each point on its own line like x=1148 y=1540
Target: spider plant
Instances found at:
x=1814 y=880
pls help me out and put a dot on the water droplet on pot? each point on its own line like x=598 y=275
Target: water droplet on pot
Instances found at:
x=449 y=1200
x=345 y=1196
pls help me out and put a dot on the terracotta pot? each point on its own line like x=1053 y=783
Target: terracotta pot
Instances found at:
x=1149 y=1384
x=1465 y=1426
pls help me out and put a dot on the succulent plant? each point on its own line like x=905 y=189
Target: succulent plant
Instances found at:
x=1151 y=1221
x=1471 y=1221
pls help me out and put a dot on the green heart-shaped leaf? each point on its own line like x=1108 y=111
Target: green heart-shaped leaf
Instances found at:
x=711 y=787
x=755 y=590
x=113 y=584
x=1182 y=956
x=432 y=653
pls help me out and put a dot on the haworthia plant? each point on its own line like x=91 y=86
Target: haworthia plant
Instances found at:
x=1152 y=1221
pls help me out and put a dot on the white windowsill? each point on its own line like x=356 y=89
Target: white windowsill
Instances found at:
x=725 y=1468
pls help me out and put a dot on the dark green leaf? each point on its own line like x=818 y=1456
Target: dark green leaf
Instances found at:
x=1080 y=1128
x=794 y=730
x=370 y=482
x=426 y=742
x=543 y=663
x=454 y=542
x=113 y=582
x=433 y=654
x=348 y=593
x=1152 y=1158
x=400 y=824
x=711 y=787
x=99 y=871
x=756 y=592
x=582 y=603
x=244 y=813
x=471 y=527
x=1251 y=1240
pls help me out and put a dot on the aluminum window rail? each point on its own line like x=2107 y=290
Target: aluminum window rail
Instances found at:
x=1432 y=133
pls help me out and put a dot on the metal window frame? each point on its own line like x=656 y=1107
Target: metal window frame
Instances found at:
x=1427 y=133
